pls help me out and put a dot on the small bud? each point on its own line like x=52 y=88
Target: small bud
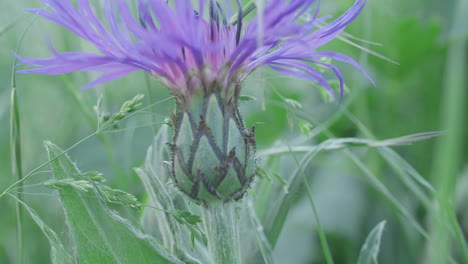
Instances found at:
x=118 y=196
x=118 y=116
x=79 y=185
x=132 y=104
x=212 y=152
x=94 y=176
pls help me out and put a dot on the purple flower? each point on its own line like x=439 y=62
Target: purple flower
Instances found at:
x=190 y=47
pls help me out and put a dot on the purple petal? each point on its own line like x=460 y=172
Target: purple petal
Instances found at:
x=340 y=57
x=109 y=76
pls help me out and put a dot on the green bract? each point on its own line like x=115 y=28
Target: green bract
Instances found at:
x=213 y=154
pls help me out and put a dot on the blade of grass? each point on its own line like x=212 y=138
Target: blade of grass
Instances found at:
x=448 y=151
x=246 y=9
x=374 y=181
x=273 y=229
x=11 y=25
x=150 y=99
x=339 y=143
x=15 y=148
x=323 y=238
x=370 y=249
x=16 y=167
x=408 y=175
x=459 y=236
x=276 y=215
x=264 y=188
x=262 y=241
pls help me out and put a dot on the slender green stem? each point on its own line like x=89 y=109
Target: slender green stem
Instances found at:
x=246 y=9
x=37 y=169
x=374 y=181
x=85 y=109
x=262 y=241
x=323 y=238
x=222 y=232
x=150 y=98
x=448 y=152
x=15 y=149
x=459 y=236
x=16 y=168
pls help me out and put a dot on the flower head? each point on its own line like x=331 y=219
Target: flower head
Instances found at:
x=202 y=55
x=191 y=48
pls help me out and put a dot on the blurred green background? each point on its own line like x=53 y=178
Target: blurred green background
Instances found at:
x=424 y=92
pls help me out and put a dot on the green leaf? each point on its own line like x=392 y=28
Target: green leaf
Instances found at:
x=101 y=235
x=58 y=254
x=320 y=231
x=192 y=241
x=370 y=249
x=449 y=151
x=304 y=127
x=246 y=98
x=154 y=176
x=186 y=217
x=262 y=245
x=274 y=219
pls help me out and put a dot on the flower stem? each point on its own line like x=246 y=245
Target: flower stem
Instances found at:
x=222 y=232
x=16 y=167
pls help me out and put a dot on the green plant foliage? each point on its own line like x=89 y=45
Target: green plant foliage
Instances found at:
x=58 y=253
x=100 y=235
x=416 y=53
x=370 y=248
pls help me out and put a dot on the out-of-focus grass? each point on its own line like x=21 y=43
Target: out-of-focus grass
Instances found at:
x=449 y=150
x=407 y=100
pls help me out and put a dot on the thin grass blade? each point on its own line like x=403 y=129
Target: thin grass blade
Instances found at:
x=449 y=150
x=322 y=237
x=370 y=249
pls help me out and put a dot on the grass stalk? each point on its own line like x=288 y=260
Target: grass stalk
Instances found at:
x=322 y=237
x=16 y=168
x=15 y=150
x=87 y=113
x=150 y=98
x=448 y=151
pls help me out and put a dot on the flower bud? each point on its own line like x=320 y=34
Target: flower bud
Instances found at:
x=213 y=155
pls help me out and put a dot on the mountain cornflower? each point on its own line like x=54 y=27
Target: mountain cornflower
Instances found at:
x=202 y=56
